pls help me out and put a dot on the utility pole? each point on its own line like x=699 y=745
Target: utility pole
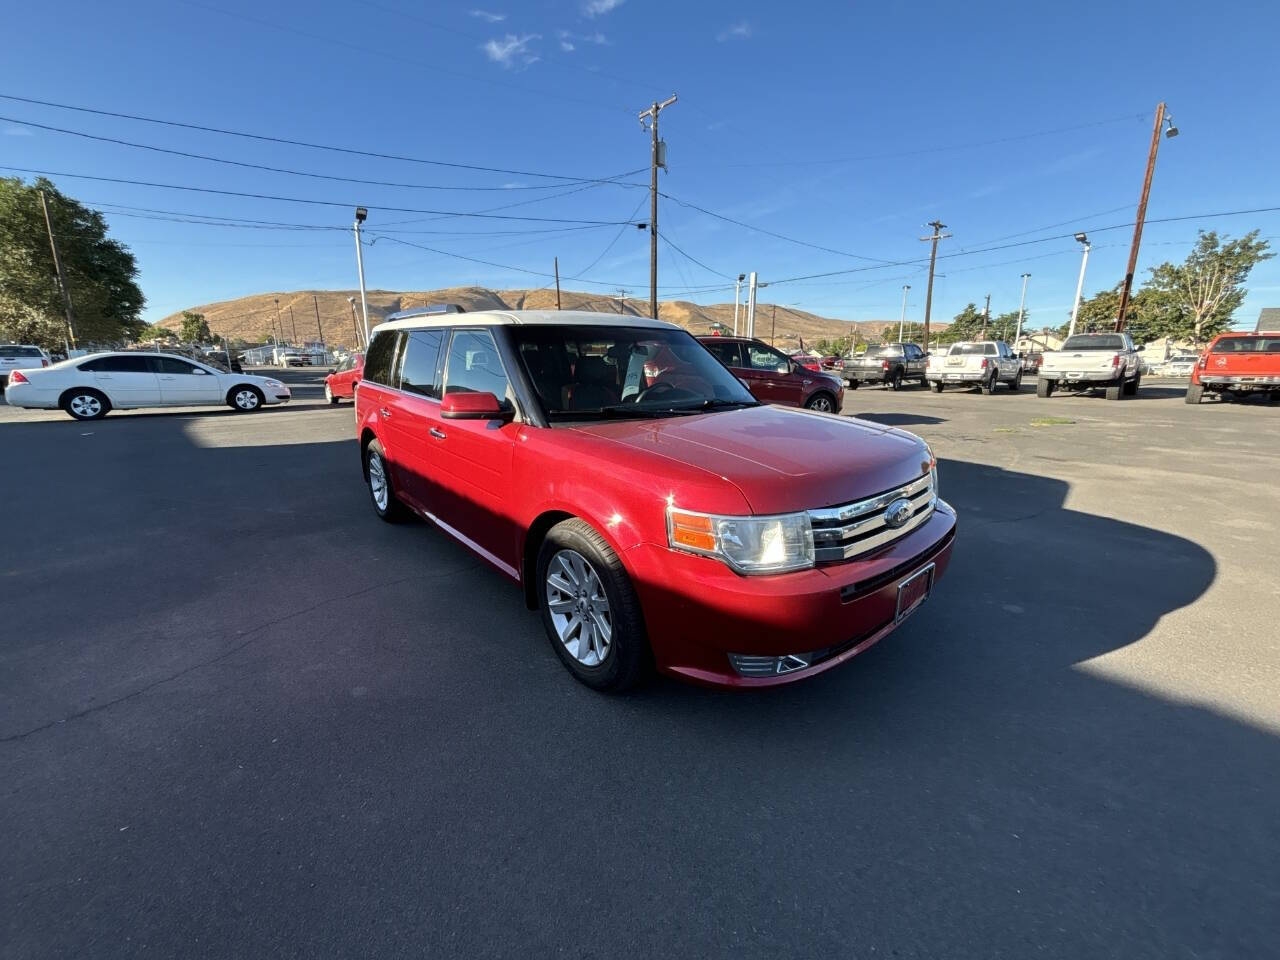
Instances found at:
x=557 y=261
x=319 y=329
x=903 y=319
x=657 y=158
x=1022 y=307
x=737 y=287
x=293 y=323
x=279 y=323
x=61 y=277
x=622 y=298
x=986 y=315
x=1142 y=213
x=1084 y=262
x=361 y=215
x=773 y=322
x=938 y=227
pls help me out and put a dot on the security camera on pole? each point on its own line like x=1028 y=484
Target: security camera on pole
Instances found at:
x=361 y=215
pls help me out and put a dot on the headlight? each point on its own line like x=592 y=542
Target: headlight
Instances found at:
x=747 y=544
x=273 y=383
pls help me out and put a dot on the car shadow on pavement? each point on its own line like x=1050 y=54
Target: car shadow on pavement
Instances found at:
x=899 y=419
x=240 y=710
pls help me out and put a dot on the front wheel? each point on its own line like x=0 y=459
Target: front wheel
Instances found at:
x=1016 y=383
x=1131 y=388
x=590 y=609
x=245 y=399
x=822 y=402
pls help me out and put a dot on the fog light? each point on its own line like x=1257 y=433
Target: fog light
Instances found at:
x=749 y=665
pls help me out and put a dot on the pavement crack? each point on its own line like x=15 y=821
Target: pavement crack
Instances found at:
x=249 y=637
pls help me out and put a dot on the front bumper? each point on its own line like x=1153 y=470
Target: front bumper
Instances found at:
x=698 y=611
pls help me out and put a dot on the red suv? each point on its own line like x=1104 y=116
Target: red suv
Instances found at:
x=646 y=503
x=773 y=377
x=340 y=384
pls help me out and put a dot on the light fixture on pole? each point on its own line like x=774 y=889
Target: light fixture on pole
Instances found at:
x=1084 y=262
x=737 y=289
x=361 y=215
x=903 y=319
x=1022 y=306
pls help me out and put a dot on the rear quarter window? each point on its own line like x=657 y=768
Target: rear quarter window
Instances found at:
x=381 y=356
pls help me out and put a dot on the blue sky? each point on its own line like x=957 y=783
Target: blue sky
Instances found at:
x=847 y=126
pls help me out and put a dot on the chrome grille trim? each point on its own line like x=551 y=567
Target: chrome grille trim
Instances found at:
x=849 y=530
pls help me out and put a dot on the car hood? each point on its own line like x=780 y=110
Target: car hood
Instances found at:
x=781 y=459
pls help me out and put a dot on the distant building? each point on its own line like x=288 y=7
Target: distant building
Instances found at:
x=1268 y=319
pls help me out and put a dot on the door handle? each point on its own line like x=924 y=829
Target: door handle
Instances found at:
x=437 y=433
x=385 y=412
x=168 y=378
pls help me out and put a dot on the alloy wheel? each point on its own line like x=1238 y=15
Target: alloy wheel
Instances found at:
x=86 y=405
x=378 y=481
x=246 y=399
x=579 y=608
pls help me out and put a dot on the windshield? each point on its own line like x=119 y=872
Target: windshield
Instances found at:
x=592 y=372
x=1248 y=345
x=20 y=352
x=887 y=350
x=1094 y=341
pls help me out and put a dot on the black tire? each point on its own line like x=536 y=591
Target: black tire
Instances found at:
x=390 y=509
x=1115 y=391
x=328 y=395
x=1016 y=383
x=853 y=384
x=238 y=398
x=988 y=386
x=895 y=380
x=822 y=402
x=1131 y=388
x=628 y=659
x=85 y=403
x=1044 y=388
x=1195 y=393
x=937 y=386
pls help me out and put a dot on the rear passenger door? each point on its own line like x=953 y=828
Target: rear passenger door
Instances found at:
x=414 y=422
x=471 y=459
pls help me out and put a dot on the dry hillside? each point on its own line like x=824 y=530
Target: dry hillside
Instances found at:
x=251 y=318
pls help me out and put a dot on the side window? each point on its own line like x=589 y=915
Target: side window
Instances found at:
x=727 y=352
x=473 y=365
x=913 y=352
x=169 y=365
x=421 y=356
x=382 y=352
x=92 y=366
x=138 y=363
x=760 y=357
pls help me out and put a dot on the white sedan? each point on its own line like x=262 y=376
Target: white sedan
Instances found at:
x=88 y=387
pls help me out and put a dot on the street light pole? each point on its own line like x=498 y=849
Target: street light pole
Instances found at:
x=751 y=304
x=355 y=324
x=361 y=215
x=1142 y=213
x=903 y=319
x=1084 y=262
x=1022 y=305
x=737 y=289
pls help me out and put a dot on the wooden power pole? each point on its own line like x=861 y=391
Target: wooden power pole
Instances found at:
x=1127 y=290
x=61 y=277
x=657 y=158
x=557 y=283
x=937 y=235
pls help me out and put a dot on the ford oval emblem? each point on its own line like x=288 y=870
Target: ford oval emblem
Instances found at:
x=897 y=513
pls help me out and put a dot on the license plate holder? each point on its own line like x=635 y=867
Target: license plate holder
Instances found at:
x=913 y=591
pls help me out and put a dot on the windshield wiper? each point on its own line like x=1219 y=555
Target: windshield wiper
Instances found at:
x=714 y=403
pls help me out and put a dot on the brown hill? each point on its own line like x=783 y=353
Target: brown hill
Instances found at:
x=252 y=318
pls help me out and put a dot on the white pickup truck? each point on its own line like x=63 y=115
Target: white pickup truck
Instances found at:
x=1087 y=360
x=982 y=364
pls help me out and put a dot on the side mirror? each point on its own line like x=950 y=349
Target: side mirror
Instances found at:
x=472 y=406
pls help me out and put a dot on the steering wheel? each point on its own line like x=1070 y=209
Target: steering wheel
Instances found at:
x=659 y=389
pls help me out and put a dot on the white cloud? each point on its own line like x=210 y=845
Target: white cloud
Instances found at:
x=18 y=132
x=740 y=30
x=490 y=17
x=596 y=37
x=569 y=41
x=566 y=46
x=512 y=50
x=598 y=8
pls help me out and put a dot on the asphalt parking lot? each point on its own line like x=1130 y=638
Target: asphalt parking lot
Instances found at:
x=239 y=717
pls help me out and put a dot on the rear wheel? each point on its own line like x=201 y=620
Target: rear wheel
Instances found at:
x=85 y=404
x=328 y=395
x=1116 y=391
x=376 y=472
x=937 y=386
x=989 y=385
x=1195 y=393
x=853 y=384
x=1044 y=388
x=590 y=609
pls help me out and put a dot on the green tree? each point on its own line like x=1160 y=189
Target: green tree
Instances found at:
x=158 y=333
x=1195 y=299
x=195 y=329
x=1098 y=313
x=101 y=273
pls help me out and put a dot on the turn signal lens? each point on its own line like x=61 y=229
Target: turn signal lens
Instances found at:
x=692 y=530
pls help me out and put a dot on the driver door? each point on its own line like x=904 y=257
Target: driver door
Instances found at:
x=769 y=374
x=184 y=384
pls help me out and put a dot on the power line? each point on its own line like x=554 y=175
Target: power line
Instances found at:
x=694 y=260
x=322 y=203
x=285 y=170
x=302 y=143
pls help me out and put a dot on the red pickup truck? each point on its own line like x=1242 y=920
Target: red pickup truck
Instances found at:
x=1237 y=364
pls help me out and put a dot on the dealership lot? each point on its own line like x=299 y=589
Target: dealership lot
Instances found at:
x=241 y=717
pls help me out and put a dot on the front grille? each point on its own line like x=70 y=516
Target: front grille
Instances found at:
x=852 y=529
